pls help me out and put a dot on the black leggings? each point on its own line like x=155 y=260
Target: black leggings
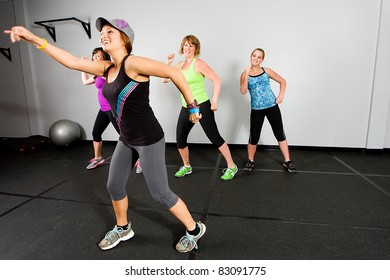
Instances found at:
x=275 y=120
x=103 y=119
x=184 y=126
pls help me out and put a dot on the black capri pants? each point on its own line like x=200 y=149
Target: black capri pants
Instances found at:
x=103 y=119
x=184 y=126
x=275 y=120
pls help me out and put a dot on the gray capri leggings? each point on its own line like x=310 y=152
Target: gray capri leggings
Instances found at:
x=154 y=170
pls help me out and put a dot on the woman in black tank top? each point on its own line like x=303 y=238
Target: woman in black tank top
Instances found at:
x=127 y=97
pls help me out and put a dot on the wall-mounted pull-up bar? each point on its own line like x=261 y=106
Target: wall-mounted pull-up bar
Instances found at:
x=52 y=29
x=6 y=52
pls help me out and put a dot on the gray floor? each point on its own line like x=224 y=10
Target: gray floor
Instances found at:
x=337 y=206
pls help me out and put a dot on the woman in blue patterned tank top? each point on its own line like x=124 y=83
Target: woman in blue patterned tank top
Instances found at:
x=264 y=103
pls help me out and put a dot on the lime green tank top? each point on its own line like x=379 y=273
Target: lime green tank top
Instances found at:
x=196 y=83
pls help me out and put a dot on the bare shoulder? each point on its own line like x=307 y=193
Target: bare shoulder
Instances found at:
x=140 y=62
x=274 y=75
x=267 y=70
x=136 y=59
x=137 y=67
x=201 y=66
x=200 y=62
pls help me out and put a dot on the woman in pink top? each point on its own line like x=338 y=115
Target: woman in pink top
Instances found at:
x=104 y=116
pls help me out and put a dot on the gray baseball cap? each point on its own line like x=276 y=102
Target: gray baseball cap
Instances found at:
x=119 y=24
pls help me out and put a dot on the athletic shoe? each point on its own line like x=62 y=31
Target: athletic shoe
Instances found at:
x=289 y=166
x=189 y=242
x=228 y=173
x=95 y=162
x=114 y=236
x=183 y=171
x=138 y=168
x=249 y=165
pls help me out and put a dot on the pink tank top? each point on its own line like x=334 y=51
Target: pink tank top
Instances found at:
x=99 y=83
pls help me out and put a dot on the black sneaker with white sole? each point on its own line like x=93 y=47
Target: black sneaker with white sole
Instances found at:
x=289 y=166
x=249 y=165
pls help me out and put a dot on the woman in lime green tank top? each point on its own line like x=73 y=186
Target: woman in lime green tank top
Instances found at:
x=195 y=71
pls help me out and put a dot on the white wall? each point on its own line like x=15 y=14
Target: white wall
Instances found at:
x=378 y=126
x=14 y=113
x=326 y=50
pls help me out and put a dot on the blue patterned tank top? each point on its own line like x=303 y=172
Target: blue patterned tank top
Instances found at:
x=262 y=96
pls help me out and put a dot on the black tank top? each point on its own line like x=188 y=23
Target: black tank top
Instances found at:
x=129 y=102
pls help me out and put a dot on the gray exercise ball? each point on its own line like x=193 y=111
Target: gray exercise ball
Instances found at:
x=64 y=133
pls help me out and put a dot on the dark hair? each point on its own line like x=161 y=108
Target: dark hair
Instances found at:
x=193 y=41
x=106 y=56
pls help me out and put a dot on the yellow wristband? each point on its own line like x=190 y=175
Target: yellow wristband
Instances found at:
x=44 y=44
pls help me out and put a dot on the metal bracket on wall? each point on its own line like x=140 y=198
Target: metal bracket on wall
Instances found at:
x=52 y=29
x=6 y=52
